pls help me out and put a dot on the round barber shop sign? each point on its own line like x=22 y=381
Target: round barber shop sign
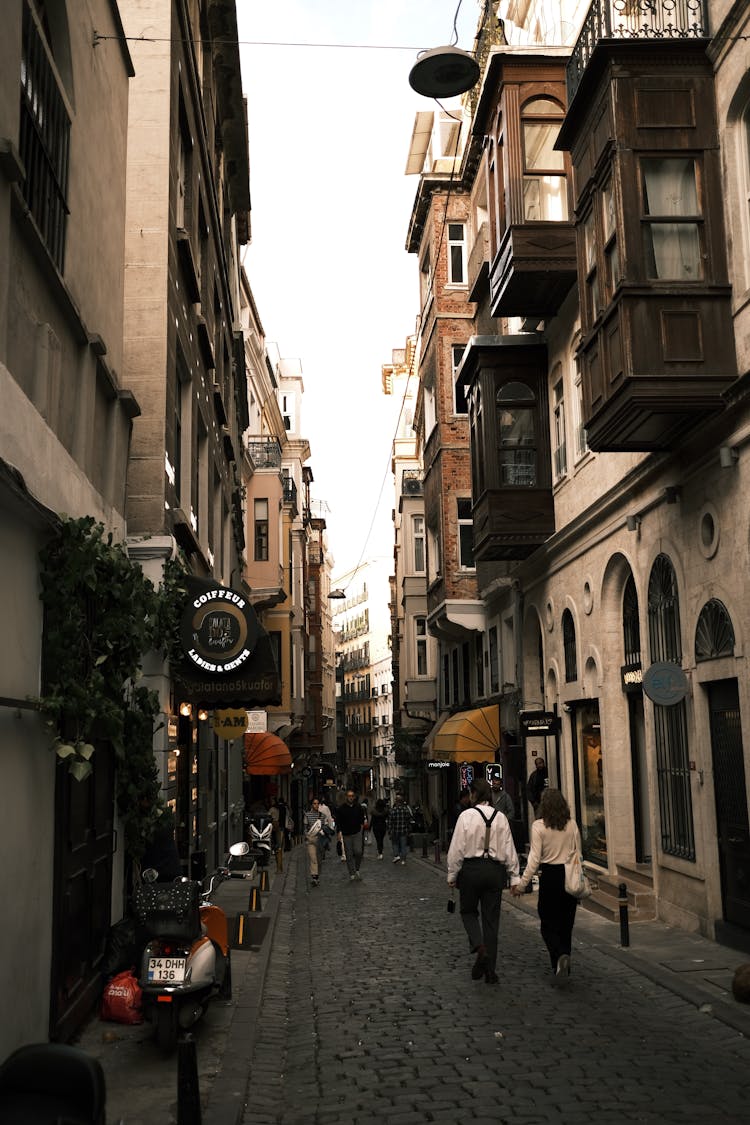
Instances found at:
x=219 y=630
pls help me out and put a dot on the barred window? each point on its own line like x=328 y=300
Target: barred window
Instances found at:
x=670 y=723
x=44 y=139
x=569 y=647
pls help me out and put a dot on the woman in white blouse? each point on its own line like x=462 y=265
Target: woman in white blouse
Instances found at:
x=553 y=837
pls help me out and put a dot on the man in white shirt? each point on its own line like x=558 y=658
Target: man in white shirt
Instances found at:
x=478 y=860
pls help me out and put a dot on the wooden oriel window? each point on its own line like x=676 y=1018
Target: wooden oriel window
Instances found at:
x=545 y=193
x=671 y=218
x=516 y=435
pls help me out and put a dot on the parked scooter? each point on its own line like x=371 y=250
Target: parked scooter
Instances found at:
x=187 y=961
x=261 y=839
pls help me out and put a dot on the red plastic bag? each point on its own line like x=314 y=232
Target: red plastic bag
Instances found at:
x=122 y=999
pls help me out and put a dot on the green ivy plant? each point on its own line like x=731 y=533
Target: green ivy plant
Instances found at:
x=101 y=616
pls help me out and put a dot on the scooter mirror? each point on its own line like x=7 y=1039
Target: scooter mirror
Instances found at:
x=149 y=875
x=240 y=849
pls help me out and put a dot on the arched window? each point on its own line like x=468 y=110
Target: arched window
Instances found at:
x=631 y=628
x=670 y=723
x=569 y=647
x=714 y=633
x=745 y=176
x=545 y=192
x=663 y=612
x=516 y=435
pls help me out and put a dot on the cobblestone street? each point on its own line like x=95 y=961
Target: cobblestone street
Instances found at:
x=369 y=1013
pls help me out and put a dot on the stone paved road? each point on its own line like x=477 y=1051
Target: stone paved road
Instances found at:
x=369 y=1015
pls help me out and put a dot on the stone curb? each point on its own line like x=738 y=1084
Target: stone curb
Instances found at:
x=226 y=1103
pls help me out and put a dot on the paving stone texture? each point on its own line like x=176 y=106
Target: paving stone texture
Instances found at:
x=369 y=1014
x=359 y=1008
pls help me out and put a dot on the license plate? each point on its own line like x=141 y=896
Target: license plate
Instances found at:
x=169 y=970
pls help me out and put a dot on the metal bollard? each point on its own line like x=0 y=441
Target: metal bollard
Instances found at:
x=437 y=851
x=424 y=847
x=279 y=859
x=263 y=879
x=623 y=902
x=188 y=1090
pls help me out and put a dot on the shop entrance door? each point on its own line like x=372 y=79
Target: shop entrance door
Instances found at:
x=732 y=828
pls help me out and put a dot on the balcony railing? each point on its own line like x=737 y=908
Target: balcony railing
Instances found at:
x=634 y=19
x=411 y=482
x=290 y=491
x=264 y=452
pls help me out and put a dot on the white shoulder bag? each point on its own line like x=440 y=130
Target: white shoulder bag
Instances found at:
x=576 y=883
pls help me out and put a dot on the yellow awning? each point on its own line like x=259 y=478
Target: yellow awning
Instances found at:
x=468 y=736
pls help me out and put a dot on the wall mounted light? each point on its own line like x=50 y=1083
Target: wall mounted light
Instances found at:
x=186 y=710
x=633 y=523
x=728 y=457
x=203 y=714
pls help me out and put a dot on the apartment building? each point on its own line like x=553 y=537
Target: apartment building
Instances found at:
x=360 y=608
x=65 y=429
x=604 y=379
x=188 y=207
x=413 y=648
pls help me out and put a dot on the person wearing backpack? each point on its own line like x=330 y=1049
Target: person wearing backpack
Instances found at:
x=480 y=855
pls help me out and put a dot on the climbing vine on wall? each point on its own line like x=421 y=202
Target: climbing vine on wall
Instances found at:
x=101 y=616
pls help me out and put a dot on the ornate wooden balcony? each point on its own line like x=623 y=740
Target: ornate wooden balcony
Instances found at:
x=534 y=269
x=623 y=20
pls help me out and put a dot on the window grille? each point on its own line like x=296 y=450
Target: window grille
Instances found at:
x=569 y=647
x=714 y=633
x=44 y=140
x=670 y=723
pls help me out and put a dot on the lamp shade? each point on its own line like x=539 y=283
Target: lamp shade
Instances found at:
x=444 y=72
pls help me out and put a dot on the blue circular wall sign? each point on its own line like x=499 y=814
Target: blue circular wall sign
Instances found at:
x=665 y=683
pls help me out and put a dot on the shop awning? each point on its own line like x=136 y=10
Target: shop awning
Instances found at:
x=266 y=754
x=468 y=736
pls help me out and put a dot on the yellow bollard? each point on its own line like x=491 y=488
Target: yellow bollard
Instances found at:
x=255 y=903
x=263 y=879
x=280 y=859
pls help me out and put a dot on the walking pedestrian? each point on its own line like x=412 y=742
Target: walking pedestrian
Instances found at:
x=379 y=824
x=553 y=837
x=536 y=784
x=399 y=823
x=312 y=826
x=480 y=855
x=501 y=800
x=328 y=830
x=350 y=821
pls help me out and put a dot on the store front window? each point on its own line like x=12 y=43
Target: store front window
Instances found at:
x=590 y=784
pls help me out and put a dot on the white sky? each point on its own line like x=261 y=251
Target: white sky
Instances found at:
x=329 y=133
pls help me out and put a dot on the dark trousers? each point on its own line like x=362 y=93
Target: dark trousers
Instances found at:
x=379 y=834
x=480 y=883
x=556 y=909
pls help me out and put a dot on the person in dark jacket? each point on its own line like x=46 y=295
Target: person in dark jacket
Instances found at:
x=399 y=826
x=379 y=824
x=536 y=784
x=350 y=820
